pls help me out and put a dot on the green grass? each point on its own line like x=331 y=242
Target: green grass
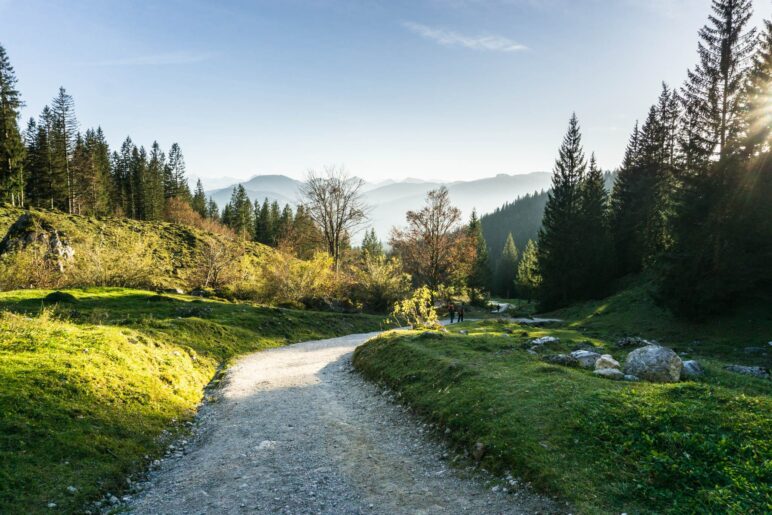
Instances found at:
x=632 y=312
x=91 y=386
x=700 y=446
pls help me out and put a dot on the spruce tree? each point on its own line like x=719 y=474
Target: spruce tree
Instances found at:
x=12 y=151
x=212 y=211
x=706 y=265
x=239 y=214
x=595 y=258
x=63 y=132
x=274 y=218
x=199 y=200
x=175 y=177
x=714 y=88
x=528 y=278
x=559 y=237
x=506 y=269
x=284 y=228
x=153 y=187
x=479 y=280
x=371 y=245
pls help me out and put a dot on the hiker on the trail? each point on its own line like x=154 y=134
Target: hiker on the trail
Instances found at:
x=461 y=313
x=451 y=311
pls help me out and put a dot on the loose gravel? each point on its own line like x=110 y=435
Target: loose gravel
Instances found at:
x=297 y=430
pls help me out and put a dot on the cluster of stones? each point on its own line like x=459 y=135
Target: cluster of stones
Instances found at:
x=652 y=362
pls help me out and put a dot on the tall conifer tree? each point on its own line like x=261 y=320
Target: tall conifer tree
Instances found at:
x=559 y=238
x=11 y=146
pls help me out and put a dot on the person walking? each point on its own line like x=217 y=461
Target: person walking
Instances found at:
x=451 y=311
x=461 y=313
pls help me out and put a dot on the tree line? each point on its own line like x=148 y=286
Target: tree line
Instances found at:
x=52 y=164
x=691 y=201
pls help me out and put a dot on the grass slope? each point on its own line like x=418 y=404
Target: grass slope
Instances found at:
x=93 y=388
x=700 y=446
x=167 y=252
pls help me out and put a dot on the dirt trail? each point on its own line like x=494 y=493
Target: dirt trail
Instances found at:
x=297 y=430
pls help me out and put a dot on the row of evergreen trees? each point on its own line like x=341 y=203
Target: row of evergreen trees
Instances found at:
x=54 y=165
x=269 y=224
x=691 y=201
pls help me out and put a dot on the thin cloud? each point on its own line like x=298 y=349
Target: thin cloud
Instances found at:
x=157 y=59
x=489 y=42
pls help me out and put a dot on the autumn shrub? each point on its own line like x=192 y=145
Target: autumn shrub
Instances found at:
x=417 y=310
x=377 y=283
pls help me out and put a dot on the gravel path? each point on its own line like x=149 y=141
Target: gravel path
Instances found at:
x=297 y=430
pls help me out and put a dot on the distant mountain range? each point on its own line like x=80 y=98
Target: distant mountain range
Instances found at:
x=390 y=200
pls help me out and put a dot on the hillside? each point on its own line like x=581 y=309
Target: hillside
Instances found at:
x=391 y=200
x=121 y=251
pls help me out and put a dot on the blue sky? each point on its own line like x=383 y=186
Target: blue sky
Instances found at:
x=444 y=89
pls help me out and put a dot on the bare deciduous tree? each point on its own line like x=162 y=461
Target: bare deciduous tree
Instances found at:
x=333 y=200
x=430 y=243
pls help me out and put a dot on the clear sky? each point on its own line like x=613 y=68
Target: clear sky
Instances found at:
x=443 y=89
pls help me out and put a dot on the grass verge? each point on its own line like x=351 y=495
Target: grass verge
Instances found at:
x=94 y=387
x=693 y=447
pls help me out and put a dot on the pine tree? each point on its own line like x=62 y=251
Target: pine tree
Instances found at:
x=123 y=200
x=479 y=280
x=199 y=200
x=274 y=218
x=528 y=278
x=63 y=132
x=284 y=227
x=37 y=165
x=153 y=187
x=371 y=245
x=714 y=88
x=212 y=211
x=758 y=121
x=707 y=263
x=641 y=200
x=506 y=269
x=595 y=258
x=559 y=238
x=175 y=179
x=263 y=226
x=239 y=214
x=12 y=151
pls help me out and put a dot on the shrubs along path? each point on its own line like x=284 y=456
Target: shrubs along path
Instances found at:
x=294 y=431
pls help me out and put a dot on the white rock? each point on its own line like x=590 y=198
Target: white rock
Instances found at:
x=606 y=361
x=586 y=358
x=545 y=340
x=610 y=373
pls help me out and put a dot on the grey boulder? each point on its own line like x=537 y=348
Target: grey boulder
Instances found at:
x=654 y=363
x=562 y=359
x=610 y=373
x=586 y=358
